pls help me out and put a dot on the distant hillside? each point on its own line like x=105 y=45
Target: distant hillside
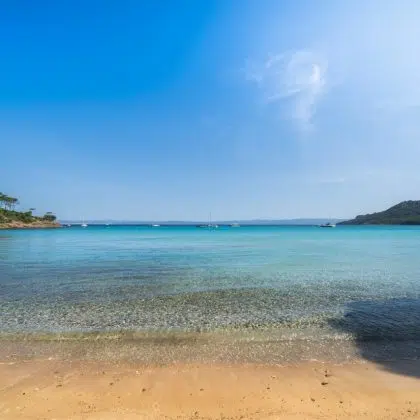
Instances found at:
x=12 y=219
x=405 y=213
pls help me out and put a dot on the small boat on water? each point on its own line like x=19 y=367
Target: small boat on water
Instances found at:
x=327 y=225
x=155 y=225
x=84 y=225
x=209 y=225
x=235 y=225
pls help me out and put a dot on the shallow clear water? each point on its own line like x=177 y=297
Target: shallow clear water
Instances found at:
x=360 y=283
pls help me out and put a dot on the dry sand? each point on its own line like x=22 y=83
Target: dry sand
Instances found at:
x=57 y=389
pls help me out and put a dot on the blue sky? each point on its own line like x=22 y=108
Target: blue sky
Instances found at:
x=170 y=109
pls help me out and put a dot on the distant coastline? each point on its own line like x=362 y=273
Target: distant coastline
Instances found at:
x=256 y=222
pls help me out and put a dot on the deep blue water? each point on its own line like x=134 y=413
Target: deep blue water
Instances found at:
x=362 y=282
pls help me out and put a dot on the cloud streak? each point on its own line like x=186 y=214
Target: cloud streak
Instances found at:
x=297 y=80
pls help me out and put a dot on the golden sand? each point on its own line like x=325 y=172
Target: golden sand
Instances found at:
x=81 y=389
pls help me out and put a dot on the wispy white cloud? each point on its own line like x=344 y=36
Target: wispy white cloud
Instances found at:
x=298 y=78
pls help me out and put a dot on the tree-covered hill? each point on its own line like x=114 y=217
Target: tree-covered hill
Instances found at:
x=404 y=213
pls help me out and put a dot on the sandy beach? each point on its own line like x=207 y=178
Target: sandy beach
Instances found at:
x=57 y=389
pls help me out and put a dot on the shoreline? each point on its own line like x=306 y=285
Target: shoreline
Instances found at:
x=73 y=389
x=165 y=348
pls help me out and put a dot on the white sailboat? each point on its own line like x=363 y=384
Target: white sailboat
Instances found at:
x=327 y=224
x=210 y=225
x=83 y=224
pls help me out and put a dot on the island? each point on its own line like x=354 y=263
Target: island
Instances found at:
x=13 y=219
x=404 y=213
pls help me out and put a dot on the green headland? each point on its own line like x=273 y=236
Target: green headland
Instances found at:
x=13 y=219
x=404 y=213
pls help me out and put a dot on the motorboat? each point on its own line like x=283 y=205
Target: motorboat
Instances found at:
x=327 y=225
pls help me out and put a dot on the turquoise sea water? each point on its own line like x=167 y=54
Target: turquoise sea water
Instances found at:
x=360 y=283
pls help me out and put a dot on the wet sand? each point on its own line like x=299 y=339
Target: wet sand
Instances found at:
x=82 y=389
